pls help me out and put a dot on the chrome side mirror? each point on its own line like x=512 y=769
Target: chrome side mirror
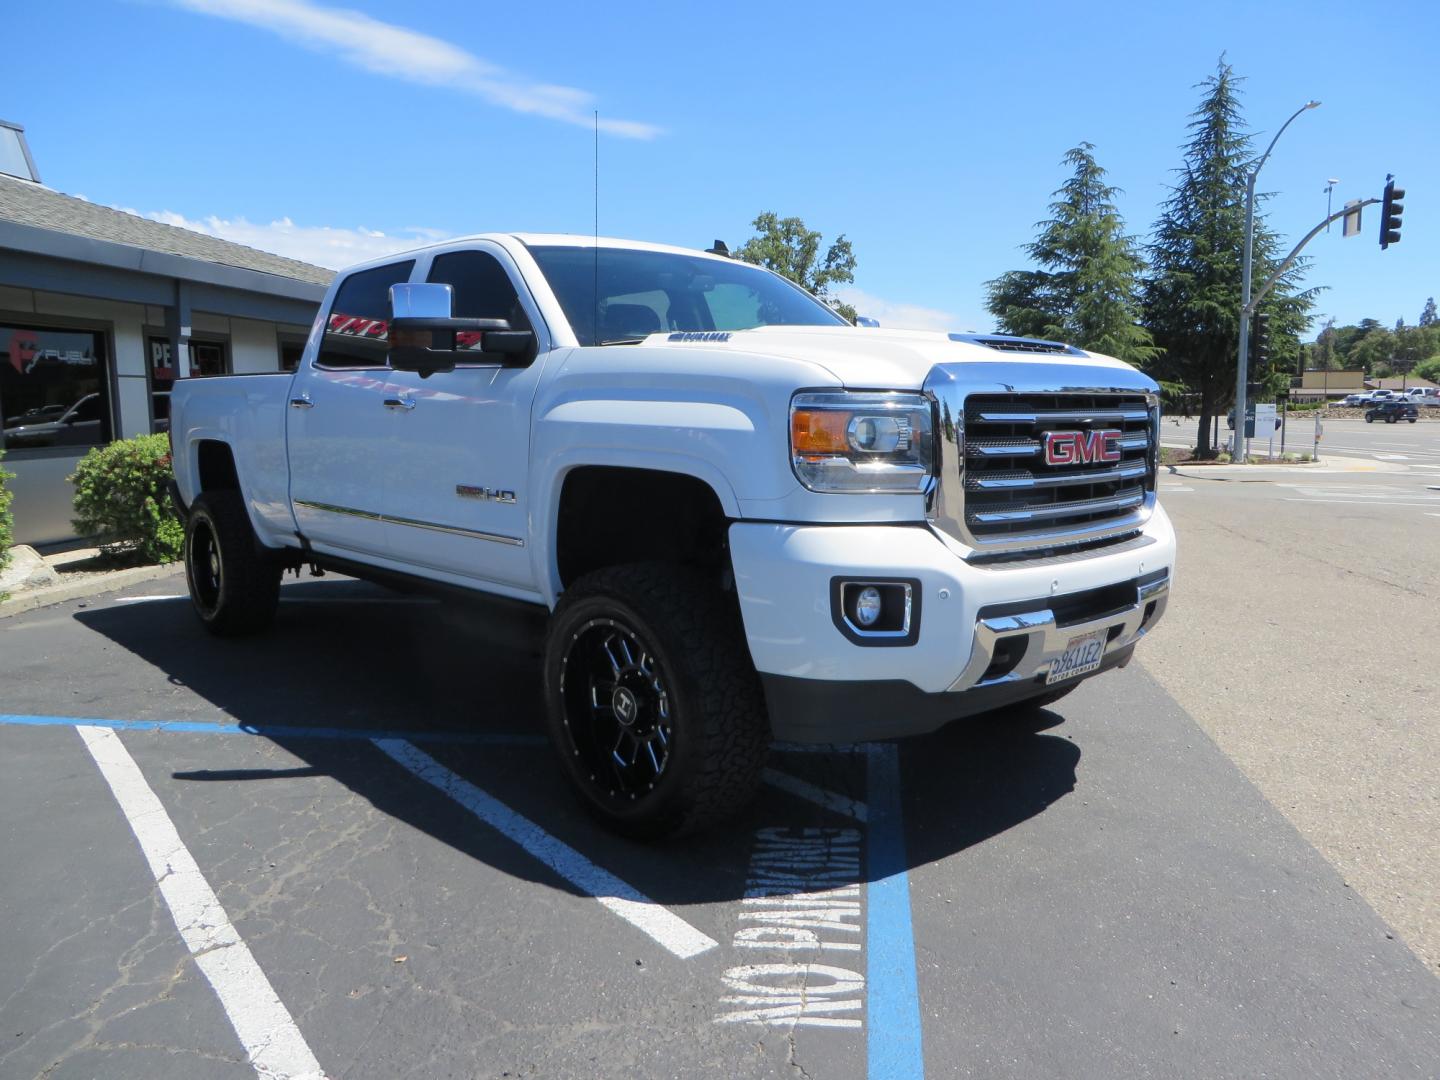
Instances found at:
x=426 y=338
x=421 y=300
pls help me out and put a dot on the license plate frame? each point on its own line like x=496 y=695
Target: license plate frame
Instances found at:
x=1083 y=654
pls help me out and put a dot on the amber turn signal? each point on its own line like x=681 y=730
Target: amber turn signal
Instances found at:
x=819 y=431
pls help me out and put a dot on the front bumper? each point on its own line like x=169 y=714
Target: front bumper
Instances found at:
x=987 y=633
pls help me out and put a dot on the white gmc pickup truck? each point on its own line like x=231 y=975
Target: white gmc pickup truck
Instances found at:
x=743 y=518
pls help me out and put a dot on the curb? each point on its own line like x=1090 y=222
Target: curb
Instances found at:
x=1329 y=462
x=58 y=594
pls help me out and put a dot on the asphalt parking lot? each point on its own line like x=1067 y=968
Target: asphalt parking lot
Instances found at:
x=376 y=872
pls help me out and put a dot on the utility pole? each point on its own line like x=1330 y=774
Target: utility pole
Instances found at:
x=1242 y=367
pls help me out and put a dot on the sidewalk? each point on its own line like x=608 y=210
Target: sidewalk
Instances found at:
x=69 y=575
x=1334 y=463
x=1328 y=463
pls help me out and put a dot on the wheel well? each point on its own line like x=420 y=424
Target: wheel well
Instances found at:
x=217 y=467
x=610 y=516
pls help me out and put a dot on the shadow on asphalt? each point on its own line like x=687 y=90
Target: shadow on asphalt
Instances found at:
x=347 y=655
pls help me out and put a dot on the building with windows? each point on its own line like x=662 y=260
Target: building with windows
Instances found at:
x=101 y=311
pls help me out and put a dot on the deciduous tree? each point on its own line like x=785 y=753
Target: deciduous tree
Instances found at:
x=786 y=246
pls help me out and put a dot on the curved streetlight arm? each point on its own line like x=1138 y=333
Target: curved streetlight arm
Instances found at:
x=1260 y=161
x=1249 y=309
x=1243 y=365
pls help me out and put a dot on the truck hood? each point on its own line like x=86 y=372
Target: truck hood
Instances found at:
x=874 y=358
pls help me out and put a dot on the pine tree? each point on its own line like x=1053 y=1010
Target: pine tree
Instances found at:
x=1087 y=291
x=1192 y=298
x=1428 y=316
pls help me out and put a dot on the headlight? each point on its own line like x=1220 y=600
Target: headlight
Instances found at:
x=862 y=441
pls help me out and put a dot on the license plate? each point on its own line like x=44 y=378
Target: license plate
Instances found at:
x=1082 y=654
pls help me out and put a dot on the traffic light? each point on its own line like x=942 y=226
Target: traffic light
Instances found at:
x=1260 y=339
x=1390 y=211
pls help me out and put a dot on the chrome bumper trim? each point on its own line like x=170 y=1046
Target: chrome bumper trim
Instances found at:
x=1046 y=639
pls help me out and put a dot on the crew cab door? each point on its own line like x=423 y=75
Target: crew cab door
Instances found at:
x=338 y=421
x=457 y=481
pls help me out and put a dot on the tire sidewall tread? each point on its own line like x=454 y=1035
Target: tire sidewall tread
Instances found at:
x=250 y=578
x=722 y=734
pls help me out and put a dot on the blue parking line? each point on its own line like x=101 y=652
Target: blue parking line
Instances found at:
x=894 y=1046
x=276 y=731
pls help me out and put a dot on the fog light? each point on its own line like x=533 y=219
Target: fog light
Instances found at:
x=867 y=606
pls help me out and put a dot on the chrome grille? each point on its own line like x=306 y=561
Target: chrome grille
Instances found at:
x=1012 y=494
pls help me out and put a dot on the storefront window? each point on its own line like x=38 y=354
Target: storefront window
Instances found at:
x=54 y=388
x=206 y=358
x=290 y=353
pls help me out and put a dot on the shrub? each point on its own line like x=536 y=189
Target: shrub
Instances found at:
x=6 y=524
x=120 y=499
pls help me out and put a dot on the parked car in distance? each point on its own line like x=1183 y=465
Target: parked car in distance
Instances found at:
x=1392 y=412
x=1352 y=400
x=77 y=425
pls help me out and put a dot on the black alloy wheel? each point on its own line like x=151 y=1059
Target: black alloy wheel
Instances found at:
x=234 y=583
x=651 y=700
x=203 y=568
x=617 y=708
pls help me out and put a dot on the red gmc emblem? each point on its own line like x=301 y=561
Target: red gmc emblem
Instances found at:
x=1081 y=447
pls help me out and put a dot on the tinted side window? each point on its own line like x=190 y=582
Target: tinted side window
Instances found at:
x=482 y=288
x=356 y=331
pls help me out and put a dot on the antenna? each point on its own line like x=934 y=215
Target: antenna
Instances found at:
x=595 y=313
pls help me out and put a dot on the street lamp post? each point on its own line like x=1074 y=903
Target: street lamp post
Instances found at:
x=1329 y=192
x=1242 y=368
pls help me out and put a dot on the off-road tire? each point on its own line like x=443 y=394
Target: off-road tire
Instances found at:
x=234 y=583
x=718 y=730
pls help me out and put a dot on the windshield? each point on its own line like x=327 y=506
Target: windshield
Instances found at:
x=631 y=293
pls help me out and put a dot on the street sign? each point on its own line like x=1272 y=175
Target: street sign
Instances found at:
x=1265 y=425
x=1352 y=219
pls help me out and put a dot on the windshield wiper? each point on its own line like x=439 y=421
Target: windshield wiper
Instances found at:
x=622 y=341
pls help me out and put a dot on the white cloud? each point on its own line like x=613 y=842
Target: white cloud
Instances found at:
x=322 y=245
x=394 y=51
x=897 y=315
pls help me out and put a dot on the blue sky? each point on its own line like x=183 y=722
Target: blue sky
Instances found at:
x=930 y=134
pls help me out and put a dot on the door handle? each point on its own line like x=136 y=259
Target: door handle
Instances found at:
x=399 y=403
x=301 y=402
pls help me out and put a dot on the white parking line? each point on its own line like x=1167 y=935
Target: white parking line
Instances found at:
x=667 y=928
x=273 y=1044
x=830 y=800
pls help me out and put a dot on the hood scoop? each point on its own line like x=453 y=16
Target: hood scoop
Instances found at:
x=1004 y=343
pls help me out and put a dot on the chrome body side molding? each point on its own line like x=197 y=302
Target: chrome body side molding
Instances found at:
x=391 y=519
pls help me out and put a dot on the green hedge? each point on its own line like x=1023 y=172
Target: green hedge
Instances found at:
x=6 y=524
x=120 y=499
